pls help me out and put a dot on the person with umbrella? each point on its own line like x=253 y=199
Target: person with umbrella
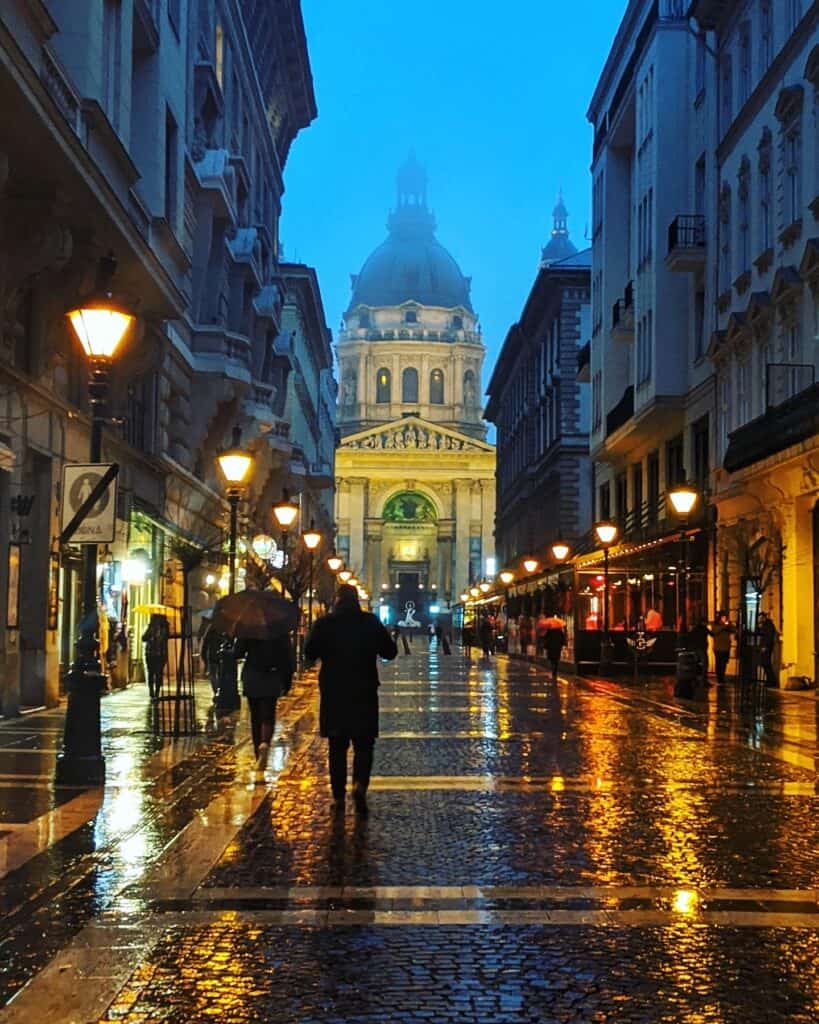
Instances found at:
x=348 y=642
x=261 y=622
x=554 y=640
x=155 y=639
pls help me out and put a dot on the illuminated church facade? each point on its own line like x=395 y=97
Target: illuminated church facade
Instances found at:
x=415 y=477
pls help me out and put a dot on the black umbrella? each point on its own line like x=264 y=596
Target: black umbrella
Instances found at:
x=254 y=614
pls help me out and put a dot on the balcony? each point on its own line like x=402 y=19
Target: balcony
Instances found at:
x=622 y=316
x=622 y=412
x=789 y=423
x=686 y=243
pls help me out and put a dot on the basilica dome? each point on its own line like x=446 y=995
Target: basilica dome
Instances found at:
x=411 y=265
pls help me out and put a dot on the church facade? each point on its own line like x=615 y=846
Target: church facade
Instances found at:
x=415 y=477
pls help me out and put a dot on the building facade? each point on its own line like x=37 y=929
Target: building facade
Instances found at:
x=156 y=132
x=761 y=282
x=415 y=477
x=541 y=409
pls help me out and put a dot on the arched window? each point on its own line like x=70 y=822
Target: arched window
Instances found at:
x=383 y=386
x=409 y=385
x=436 y=387
x=470 y=391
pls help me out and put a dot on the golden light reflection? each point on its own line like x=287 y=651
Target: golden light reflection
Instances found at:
x=686 y=901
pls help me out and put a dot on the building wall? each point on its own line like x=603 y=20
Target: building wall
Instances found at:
x=155 y=132
x=541 y=411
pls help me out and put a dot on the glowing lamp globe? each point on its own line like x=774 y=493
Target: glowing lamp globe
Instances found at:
x=531 y=565
x=606 y=533
x=484 y=587
x=100 y=326
x=560 y=551
x=474 y=592
x=234 y=462
x=334 y=563
x=312 y=538
x=464 y=598
x=683 y=499
x=285 y=511
x=345 y=575
x=506 y=577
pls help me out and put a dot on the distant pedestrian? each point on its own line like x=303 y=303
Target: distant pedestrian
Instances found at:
x=266 y=676
x=554 y=640
x=349 y=641
x=487 y=635
x=155 y=639
x=768 y=638
x=442 y=638
x=721 y=632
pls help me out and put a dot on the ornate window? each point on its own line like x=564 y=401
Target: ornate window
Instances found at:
x=436 y=387
x=725 y=242
x=765 y=201
x=410 y=317
x=743 y=196
x=383 y=386
x=470 y=390
x=789 y=115
x=409 y=385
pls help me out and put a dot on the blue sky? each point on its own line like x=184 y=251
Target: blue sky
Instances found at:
x=492 y=97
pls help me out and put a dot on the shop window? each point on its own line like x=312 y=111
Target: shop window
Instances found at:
x=700 y=453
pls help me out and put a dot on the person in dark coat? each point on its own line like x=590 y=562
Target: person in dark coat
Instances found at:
x=698 y=641
x=155 y=639
x=349 y=641
x=768 y=637
x=266 y=676
x=554 y=640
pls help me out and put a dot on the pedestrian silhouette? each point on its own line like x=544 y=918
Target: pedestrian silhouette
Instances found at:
x=348 y=642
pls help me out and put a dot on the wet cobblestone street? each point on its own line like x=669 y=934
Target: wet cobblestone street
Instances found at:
x=586 y=851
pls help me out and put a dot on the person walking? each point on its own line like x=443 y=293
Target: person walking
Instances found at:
x=348 y=643
x=487 y=637
x=442 y=638
x=554 y=640
x=768 y=638
x=721 y=632
x=155 y=639
x=266 y=675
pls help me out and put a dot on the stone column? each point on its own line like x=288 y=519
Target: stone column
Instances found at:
x=796 y=627
x=446 y=536
x=357 y=501
x=463 y=521
x=372 y=566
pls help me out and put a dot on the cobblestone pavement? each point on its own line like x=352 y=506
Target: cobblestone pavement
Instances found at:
x=586 y=851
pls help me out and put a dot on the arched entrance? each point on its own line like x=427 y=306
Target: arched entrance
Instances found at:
x=410 y=551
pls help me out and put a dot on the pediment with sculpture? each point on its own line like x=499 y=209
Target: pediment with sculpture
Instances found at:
x=413 y=434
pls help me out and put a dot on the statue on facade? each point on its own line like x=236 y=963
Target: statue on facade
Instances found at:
x=349 y=388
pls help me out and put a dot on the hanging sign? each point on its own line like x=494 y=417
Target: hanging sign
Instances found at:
x=89 y=504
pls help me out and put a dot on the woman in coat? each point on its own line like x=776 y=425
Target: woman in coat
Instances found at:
x=349 y=641
x=155 y=639
x=266 y=676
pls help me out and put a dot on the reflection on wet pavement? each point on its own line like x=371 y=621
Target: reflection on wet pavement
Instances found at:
x=586 y=851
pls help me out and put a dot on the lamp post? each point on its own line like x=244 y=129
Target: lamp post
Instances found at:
x=285 y=512
x=100 y=325
x=312 y=539
x=560 y=551
x=606 y=534
x=235 y=464
x=683 y=499
x=530 y=565
x=334 y=562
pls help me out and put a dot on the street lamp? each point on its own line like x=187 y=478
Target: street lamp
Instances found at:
x=464 y=598
x=334 y=562
x=312 y=539
x=560 y=551
x=530 y=565
x=100 y=325
x=683 y=499
x=235 y=464
x=285 y=512
x=474 y=592
x=345 y=575
x=606 y=533
x=506 y=577
x=484 y=586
